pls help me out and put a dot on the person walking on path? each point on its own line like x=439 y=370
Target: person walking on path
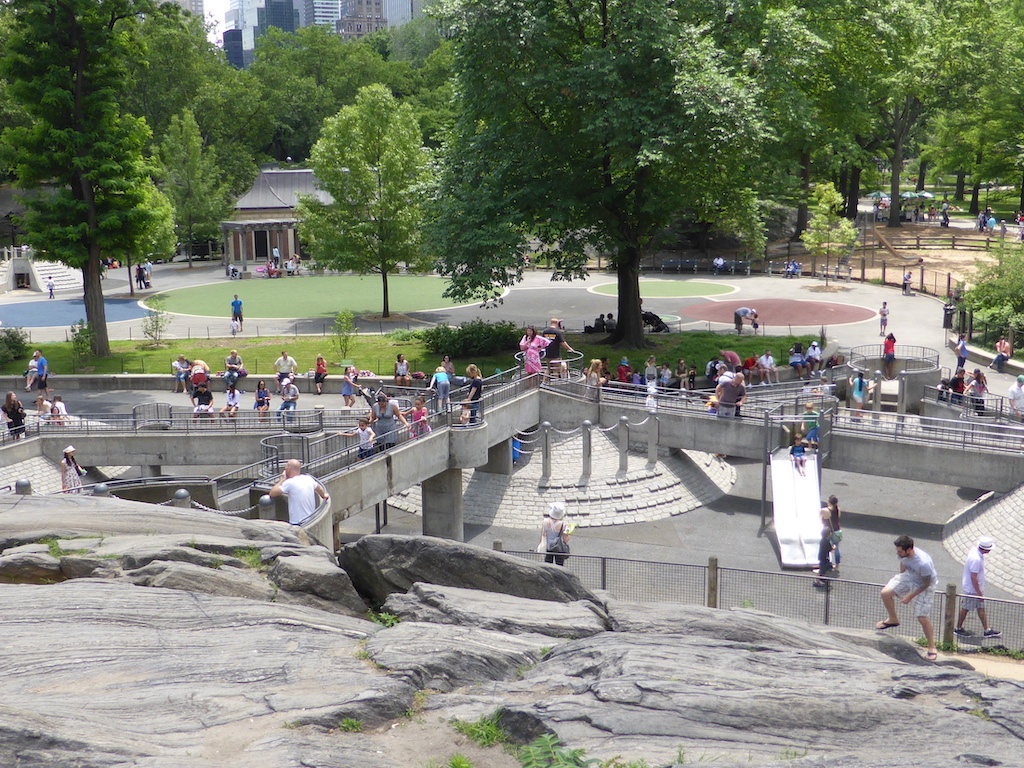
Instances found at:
x=825 y=547
x=349 y=382
x=908 y=278
x=300 y=490
x=961 y=352
x=70 y=472
x=973 y=585
x=883 y=318
x=555 y=535
x=384 y=418
x=14 y=413
x=915 y=584
x=50 y=286
x=236 y=312
x=441 y=383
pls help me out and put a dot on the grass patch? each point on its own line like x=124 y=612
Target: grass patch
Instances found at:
x=351 y=725
x=251 y=556
x=485 y=732
x=56 y=551
x=377 y=353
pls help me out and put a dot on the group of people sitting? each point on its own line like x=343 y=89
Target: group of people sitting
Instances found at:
x=603 y=324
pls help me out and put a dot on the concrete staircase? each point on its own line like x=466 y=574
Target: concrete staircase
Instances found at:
x=64 y=277
x=5 y=276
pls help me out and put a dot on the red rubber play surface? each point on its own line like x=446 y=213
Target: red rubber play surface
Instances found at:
x=776 y=312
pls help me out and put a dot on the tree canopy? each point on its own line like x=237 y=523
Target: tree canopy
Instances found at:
x=370 y=159
x=65 y=63
x=586 y=123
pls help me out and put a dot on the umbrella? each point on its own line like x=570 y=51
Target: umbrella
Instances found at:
x=878 y=195
x=908 y=195
x=924 y=194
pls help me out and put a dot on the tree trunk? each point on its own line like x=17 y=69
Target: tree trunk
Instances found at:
x=188 y=252
x=853 y=192
x=975 y=207
x=387 y=301
x=921 y=173
x=1021 y=206
x=896 y=207
x=961 y=180
x=805 y=187
x=131 y=277
x=629 y=332
x=95 y=310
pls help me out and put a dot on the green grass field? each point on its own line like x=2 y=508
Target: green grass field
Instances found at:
x=670 y=289
x=310 y=296
x=377 y=353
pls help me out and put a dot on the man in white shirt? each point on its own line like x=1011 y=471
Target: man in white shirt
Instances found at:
x=813 y=357
x=284 y=365
x=973 y=585
x=915 y=583
x=766 y=368
x=301 y=491
x=1015 y=395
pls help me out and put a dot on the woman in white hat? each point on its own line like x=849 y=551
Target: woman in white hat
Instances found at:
x=70 y=472
x=554 y=535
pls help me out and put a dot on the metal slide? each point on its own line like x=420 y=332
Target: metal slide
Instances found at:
x=797 y=510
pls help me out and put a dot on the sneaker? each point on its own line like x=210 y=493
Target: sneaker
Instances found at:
x=961 y=632
x=993 y=633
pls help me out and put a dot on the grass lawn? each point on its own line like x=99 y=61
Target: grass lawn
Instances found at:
x=377 y=353
x=670 y=289
x=310 y=296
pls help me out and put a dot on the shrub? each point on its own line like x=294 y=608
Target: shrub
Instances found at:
x=13 y=344
x=472 y=339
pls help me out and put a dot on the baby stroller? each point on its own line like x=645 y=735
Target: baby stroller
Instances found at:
x=657 y=324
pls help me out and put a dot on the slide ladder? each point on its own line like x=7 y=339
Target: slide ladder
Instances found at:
x=796 y=502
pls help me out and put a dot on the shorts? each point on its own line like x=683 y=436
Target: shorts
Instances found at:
x=797 y=364
x=884 y=321
x=971 y=603
x=236 y=316
x=282 y=375
x=812 y=435
x=318 y=378
x=366 y=453
x=903 y=584
x=41 y=381
x=889 y=357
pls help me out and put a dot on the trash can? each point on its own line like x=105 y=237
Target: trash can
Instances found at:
x=948 y=311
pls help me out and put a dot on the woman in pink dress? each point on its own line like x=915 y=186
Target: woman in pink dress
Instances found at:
x=532 y=345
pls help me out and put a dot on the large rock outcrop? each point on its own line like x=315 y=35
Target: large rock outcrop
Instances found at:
x=382 y=565
x=176 y=647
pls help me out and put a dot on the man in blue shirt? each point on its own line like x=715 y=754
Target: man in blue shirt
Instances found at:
x=42 y=372
x=236 y=311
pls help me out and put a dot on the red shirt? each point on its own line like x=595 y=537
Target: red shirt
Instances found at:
x=889 y=347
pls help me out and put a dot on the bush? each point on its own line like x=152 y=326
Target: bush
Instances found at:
x=13 y=344
x=472 y=339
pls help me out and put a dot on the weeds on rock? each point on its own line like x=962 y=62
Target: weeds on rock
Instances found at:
x=251 y=556
x=382 y=617
x=485 y=732
x=351 y=725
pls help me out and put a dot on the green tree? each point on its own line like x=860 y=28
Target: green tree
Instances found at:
x=370 y=159
x=65 y=63
x=828 y=234
x=586 y=123
x=191 y=183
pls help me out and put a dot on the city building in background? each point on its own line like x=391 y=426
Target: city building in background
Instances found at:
x=253 y=18
x=195 y=7
x=324 y=13
x=360 y=18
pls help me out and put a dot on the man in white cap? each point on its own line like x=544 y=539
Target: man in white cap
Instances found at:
x=813 y=357
x=289 y=396
x=973 y=585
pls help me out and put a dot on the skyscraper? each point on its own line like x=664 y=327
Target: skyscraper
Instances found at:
x=255 y=17
x=325 y=13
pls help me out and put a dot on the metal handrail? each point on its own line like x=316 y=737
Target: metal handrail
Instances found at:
x=913 y=359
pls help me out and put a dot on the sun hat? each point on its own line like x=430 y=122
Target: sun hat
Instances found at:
x=69 y=449
x=624 y=361
x=557 y=510
x=986 y=543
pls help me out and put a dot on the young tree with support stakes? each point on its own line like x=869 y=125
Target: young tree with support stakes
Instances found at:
x=594 y=123
x=65 y=67
x=370 y=159
x=829 y=234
